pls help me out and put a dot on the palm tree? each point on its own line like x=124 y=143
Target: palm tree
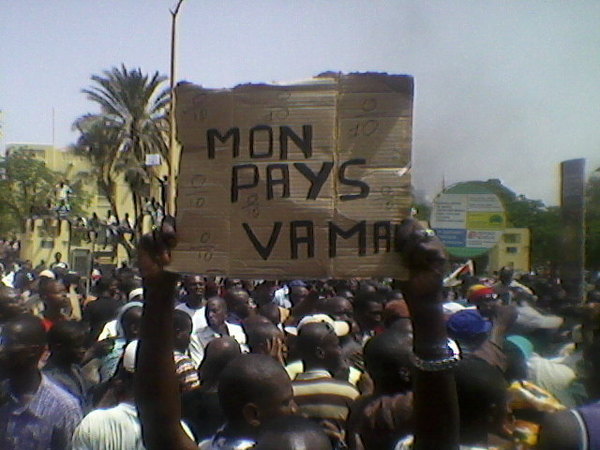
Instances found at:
x=132 y=123
x=98 y=143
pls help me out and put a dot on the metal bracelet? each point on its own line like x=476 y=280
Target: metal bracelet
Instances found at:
x=437 y=365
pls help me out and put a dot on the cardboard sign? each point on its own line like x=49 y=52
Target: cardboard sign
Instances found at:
x=306 y=180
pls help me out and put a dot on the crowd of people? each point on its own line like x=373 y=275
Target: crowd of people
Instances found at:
x=156 y=360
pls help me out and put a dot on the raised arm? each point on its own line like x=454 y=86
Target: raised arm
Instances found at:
x=156 y=388
x=435 y=400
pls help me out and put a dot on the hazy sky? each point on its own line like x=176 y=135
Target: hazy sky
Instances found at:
x=504 y=89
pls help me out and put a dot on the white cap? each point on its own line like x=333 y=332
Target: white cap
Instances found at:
x=340 y=328
x=129 y=356
x=452 y=307
x=138 y=292
x=48 y=274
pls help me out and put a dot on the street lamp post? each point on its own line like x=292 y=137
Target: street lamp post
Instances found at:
x=173 y=154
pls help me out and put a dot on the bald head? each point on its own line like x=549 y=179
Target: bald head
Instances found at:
x=239 y=302
x=254 y=389
x=218 y=353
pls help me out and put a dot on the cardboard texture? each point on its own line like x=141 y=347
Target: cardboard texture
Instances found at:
x=303 y=180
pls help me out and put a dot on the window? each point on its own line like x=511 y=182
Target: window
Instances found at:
x=512 y=250
x=512 y=238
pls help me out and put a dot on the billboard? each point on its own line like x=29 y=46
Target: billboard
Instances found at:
x=469 y=219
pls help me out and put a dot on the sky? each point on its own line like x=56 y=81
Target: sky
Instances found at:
x=503 y=89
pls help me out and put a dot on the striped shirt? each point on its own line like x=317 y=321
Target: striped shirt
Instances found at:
x=186 y=372
x=45 y=421
x=319 y=396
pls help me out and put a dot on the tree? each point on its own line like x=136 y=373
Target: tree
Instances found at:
x=132 y=123
x=27 y=188
x=592 y=222
x=98 y=143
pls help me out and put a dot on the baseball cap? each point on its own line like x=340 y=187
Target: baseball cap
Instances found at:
x=339 y=327
x=48 y=274
x=467 y=324
x=479 y=291
x=138 y=292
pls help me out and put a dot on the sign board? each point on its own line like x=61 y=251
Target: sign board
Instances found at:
x=573 y=220
x=302 y=180
x=153 y=159
x=469 y=219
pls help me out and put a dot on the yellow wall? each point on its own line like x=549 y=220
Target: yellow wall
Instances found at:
x=43 y=240
x=77 y=168
x=512 y=250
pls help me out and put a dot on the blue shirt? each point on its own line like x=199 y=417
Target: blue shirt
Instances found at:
x=45 y=422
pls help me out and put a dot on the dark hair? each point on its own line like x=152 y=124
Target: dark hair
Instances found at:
x=103 y=285
x=181 y=319
x=362 y=299
x=64 y=332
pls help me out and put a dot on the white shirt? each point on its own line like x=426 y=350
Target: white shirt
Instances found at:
x=203 y=336
x=116 y=428
x=198 y=316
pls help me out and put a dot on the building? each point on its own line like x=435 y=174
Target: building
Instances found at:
x=512 y=250
x=47 y=235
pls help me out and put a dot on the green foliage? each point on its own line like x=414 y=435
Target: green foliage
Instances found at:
x=131 y=124
x=26 y=188
x=592 y=219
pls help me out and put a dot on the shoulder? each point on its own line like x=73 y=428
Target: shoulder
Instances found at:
x=562 y=430
x=325 y=385
x=52 y=393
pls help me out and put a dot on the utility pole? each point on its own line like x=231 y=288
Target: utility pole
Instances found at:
x=173 y=153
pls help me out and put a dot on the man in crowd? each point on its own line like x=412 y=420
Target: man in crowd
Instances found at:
x=105 y=308
x=184 y=366
x=193 y=302
x=217 y=326
x=318 y=395
x=36 y=413
x=56 y=303
x=239 y=305
x=201 y=407
x=379 y=420
x=11 y=304
x=117 y=427
x=67 y=341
